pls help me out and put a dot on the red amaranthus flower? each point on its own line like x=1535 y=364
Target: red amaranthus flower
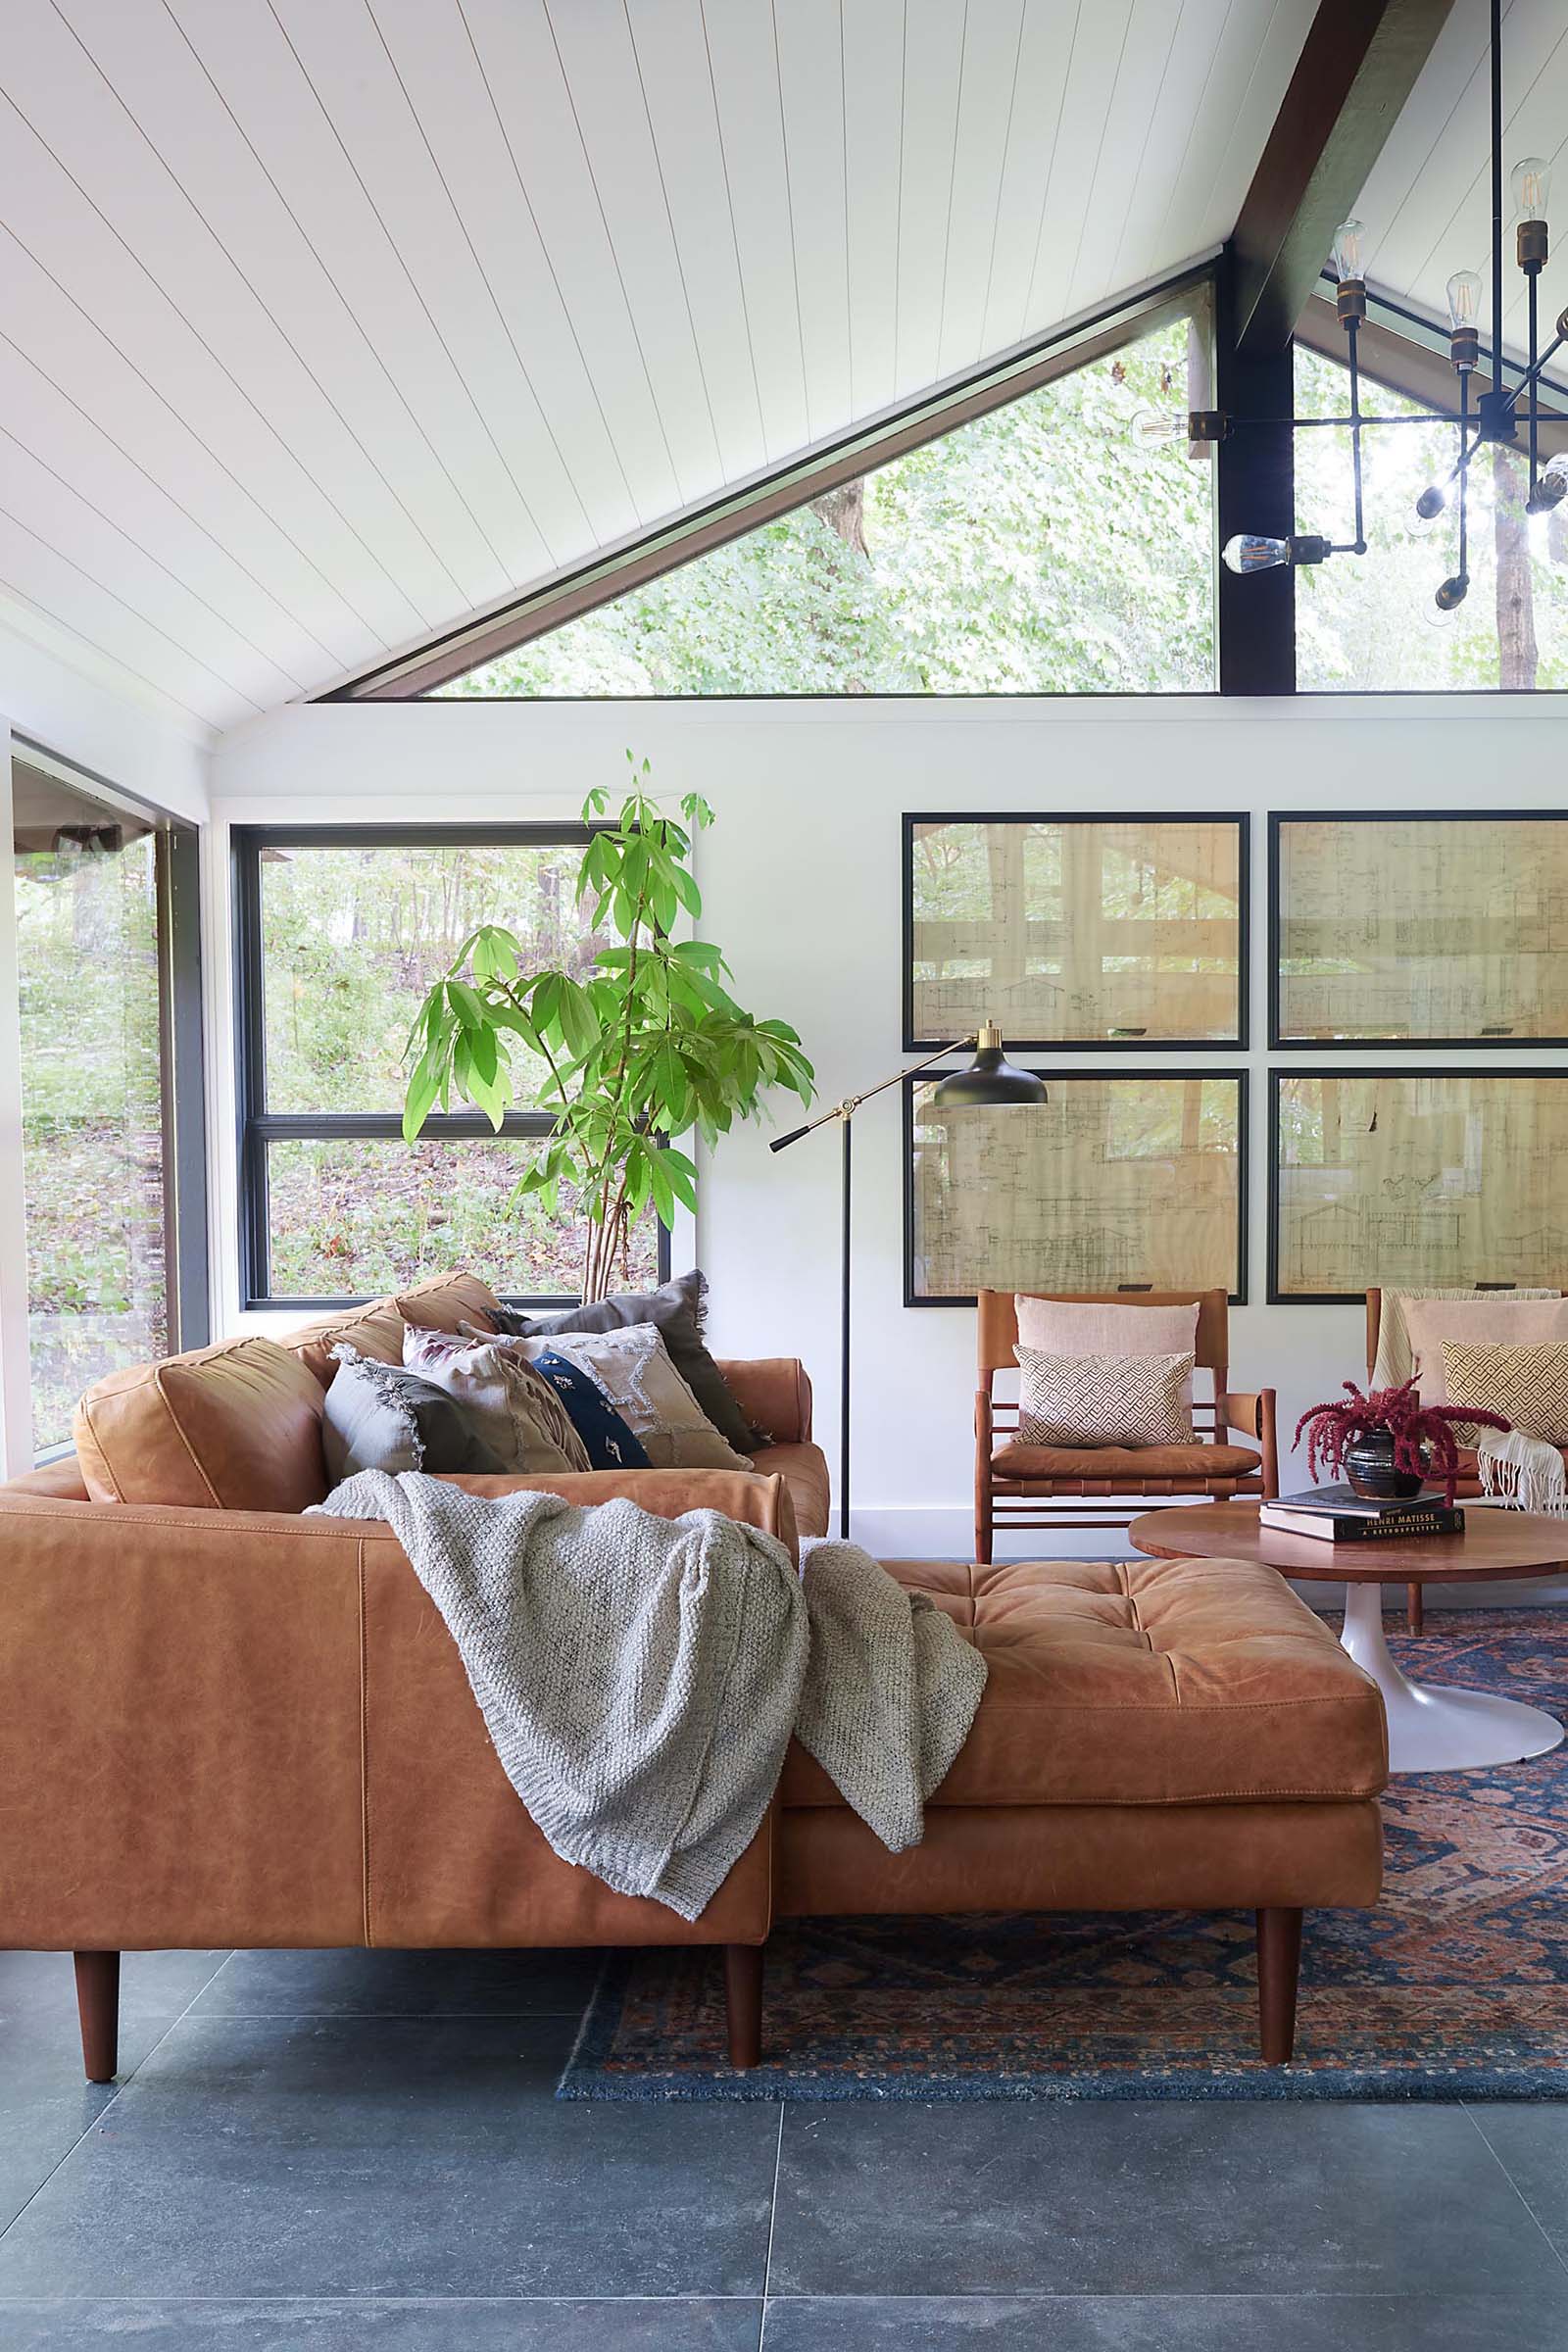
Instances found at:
x=1424 y=1443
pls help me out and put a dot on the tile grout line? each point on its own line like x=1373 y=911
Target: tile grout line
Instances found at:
x=119 y=2088
x=1551 y=2245
x=772 y=2225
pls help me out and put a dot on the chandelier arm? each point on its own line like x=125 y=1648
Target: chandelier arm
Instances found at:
x=1465 y=477
x=1531 y=282
x=1358 y=545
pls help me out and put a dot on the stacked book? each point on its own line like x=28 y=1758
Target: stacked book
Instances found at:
x=1339 y=1515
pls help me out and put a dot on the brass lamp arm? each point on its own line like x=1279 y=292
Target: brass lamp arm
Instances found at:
x=852 y=1103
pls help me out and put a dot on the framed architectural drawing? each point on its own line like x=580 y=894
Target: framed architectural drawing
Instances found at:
x=1433 y=930
x=1116 y=1182
x=1075 y=933
x=1416 y=1177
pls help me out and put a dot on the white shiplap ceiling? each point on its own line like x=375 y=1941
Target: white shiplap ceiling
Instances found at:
x=325 y=323
x=1428 y=204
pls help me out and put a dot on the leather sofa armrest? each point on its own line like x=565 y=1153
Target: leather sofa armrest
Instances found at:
x=748 y=1497
x=1249 y=1412
x=774 y=1393
x=179 y=1732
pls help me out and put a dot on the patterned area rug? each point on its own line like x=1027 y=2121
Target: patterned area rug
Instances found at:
x=1456 y=1986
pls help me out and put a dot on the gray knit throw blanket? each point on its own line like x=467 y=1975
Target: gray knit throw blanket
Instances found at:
x=639 y=1676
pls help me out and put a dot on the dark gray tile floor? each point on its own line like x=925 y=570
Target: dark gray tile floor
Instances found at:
x=362 y=2150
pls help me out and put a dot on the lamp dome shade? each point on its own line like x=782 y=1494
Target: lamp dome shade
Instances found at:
x=990 y=1079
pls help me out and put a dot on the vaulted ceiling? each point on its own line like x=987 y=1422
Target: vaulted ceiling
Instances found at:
x=325 y=322
x=328 y=324
x=1428 y=203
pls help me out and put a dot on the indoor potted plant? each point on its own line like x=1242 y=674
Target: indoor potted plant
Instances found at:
x=1388 y=1443
x=646 y=1049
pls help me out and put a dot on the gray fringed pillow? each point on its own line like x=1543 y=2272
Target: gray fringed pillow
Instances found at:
x=378 y=1416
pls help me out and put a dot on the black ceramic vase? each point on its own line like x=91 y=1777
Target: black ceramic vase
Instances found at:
x=1369 y=1470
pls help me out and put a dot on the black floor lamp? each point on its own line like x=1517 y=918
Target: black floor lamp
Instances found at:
x=991 y=1081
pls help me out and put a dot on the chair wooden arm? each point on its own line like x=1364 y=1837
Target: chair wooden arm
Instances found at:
x=1251 y=1414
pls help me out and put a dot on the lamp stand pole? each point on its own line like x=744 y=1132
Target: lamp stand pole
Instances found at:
x=845 y=1112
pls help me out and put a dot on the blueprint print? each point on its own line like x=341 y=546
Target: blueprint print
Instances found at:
x=1450 y=930
x=1413 y=1180
x=1085 y=933
x=1113 y=1180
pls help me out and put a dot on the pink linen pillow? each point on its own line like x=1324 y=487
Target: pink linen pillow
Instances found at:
x=1497 y=1321
x=1100 y=1327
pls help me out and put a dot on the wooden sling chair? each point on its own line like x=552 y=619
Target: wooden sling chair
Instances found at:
x=1017 y=1486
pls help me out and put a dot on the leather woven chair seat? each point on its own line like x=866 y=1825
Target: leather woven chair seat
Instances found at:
x=1200 y=1463
x=1144 y=1683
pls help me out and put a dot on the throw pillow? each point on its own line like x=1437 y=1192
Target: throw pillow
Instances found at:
x=1528 y=1385
x=1493 y=1321
x=677 y=1310
x=515 y=1413
x=382 y=1417
x=1101 y=1327
x=634 y=1369
x=611 y=1444
x=1105 y=1399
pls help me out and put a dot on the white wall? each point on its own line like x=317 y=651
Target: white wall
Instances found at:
x=801 y=887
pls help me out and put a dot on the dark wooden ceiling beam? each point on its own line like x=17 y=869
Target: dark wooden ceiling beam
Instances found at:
x=1359 y=65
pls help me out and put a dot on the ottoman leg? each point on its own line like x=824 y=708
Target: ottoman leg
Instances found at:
x=743 y=2002
x=1279 y=1963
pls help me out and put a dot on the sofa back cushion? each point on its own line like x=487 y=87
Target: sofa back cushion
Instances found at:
x=233 y=1427
x=375 y=1332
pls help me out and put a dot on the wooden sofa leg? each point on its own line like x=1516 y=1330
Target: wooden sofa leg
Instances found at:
x=1415 y=1613
x=743 y=2002
x=98 y=2007
x=1279 y=1967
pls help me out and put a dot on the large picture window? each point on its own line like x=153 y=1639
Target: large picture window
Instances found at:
x=108 y=1019
x=339 y=935
x=1012 y=556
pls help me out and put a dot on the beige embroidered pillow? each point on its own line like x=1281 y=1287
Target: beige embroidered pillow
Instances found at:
x=1105 y=1399
x=1528 y=1385
x=633 y=1367
x=1103 y=1327
x=1493 y=1321
x=509 y=1405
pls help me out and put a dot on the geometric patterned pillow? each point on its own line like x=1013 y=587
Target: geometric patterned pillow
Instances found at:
x=1105 y=1399
x=1528 y=1385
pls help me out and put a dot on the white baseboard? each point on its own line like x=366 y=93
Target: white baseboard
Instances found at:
x=938 y=1532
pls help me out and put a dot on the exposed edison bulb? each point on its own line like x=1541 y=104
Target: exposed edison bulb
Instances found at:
x=1250 y=552
x=1464 y=299
x=1154 y=429
x=1430 y=502
x=1448 y=600
x=1531 y=186
x=1348 y=253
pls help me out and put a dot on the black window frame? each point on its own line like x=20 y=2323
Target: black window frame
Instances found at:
x=258 y=1127
x=181 y=1058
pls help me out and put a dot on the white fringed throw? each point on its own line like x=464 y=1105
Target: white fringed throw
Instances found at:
x=1525 y=1473
x=1394 y=1366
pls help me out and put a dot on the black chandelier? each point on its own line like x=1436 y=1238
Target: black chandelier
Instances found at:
x=1498 y=416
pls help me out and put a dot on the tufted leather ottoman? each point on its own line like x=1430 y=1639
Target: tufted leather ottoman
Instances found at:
x=1154 y=1734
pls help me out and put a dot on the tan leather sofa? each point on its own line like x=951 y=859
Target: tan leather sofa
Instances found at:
x=222 y=1724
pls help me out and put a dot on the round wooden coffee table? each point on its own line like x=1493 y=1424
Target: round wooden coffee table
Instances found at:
x=1432 y=1727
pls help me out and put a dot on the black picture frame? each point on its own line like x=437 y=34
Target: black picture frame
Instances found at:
x=1273 y=1295
x=1391 y=1040
x=913 y=1043
x=1239 y=1077
x=259 y=1127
